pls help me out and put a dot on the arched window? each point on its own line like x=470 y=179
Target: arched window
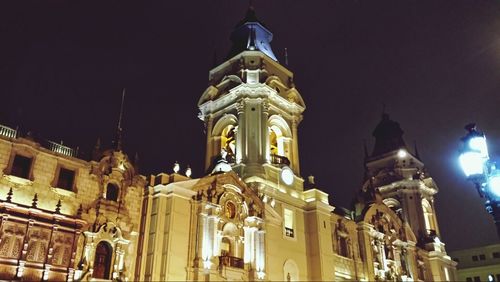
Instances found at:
x=276 y=141
x=279 y=140
x=102 y=260
x=112 y=192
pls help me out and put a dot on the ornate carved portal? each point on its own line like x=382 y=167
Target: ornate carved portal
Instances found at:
x=105 y=251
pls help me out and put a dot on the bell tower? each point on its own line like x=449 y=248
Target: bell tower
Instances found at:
x=252 y=110
x=401 y=180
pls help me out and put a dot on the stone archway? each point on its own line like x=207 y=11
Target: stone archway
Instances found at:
x=102 y=260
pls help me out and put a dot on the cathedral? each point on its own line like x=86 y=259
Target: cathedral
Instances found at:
x=251 y=217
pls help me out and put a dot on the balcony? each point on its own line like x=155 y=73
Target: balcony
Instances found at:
x=7 y=132
x=231 y=261
x=279 y=160
x=61 y=149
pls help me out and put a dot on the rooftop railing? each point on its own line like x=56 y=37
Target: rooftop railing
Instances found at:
x=279 y=160
x=7 y=132
x=61 y=149
x=232 y=261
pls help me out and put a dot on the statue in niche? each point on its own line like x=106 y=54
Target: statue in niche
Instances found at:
x=375 y=250
x=404 y=266
x=231 y=135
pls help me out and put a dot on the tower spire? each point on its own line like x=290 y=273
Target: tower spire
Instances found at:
x=417 y=155
x=118 y=141
x=365 y=149
x=286 y=56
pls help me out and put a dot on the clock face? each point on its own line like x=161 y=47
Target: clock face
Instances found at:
x=287 y=175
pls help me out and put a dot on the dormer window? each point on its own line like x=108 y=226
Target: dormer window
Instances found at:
x=112 y=192
x=21 y=166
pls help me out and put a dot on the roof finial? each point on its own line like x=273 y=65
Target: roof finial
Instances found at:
x=58 y=206
x=365 y=149
x=214 y=62
x=34 y=204
x=417 y=155
x=119 y=129
x=9 y=195
x=286 y=56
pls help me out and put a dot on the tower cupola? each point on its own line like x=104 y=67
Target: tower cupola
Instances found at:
x=251 y=35
x=388 y=136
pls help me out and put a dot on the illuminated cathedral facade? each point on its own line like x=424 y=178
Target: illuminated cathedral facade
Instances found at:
x=252 y=217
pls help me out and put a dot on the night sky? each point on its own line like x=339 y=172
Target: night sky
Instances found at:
x=434 y=64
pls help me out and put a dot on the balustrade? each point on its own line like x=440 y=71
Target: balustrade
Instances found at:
x=7 y=132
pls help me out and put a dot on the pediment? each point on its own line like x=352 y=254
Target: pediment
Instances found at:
x=212 y=187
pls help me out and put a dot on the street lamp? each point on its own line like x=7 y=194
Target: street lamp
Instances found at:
x=478 y=169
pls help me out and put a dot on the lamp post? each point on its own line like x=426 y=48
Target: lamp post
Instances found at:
x=477 y=167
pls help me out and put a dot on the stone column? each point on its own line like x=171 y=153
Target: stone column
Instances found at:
x=295 y=147
x=265 y=155
x=241 y=134
x=209 y=153
x=260 y=254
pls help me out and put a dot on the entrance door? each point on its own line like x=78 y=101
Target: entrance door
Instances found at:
x=102 y=261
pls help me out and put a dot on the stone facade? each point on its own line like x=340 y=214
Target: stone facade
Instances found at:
x=71 y=220
x=250 y=218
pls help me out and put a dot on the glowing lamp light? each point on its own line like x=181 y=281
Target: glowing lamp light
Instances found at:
x=478 y=144
x=494 y=184
x=402 y=153
x=474 y=156
x=176 y=167
x=472 y=163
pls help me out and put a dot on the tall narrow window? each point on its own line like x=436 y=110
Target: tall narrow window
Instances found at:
x=21 y=166
x=66 y=179
x=112 y=192
x=289 y=223
x=343 y=247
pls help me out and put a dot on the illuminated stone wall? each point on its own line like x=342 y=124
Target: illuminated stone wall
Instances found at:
x=84 y=198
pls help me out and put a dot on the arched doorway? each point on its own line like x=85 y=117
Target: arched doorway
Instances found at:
x=102 y=261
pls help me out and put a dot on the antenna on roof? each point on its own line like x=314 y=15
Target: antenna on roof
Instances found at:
x=286 y=56
x=121 y=110
x=118 y=141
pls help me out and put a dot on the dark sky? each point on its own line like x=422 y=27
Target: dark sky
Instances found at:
x=434 y=64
